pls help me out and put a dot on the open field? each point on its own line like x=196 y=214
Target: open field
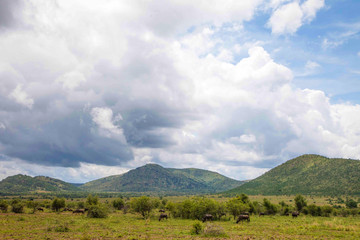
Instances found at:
x=67 y=225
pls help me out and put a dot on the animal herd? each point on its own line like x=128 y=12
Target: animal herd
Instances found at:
x=245 y=216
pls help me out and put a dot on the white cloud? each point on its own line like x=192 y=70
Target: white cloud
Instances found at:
x=71 y=80
x=358 y=54
x=103 y=117
x=168 y=95
x=21 y=97
x=288 y=18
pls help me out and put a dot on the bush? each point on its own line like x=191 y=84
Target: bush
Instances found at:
x=17 y=206
x=98 y=211
x=300 y=202
x=212 y=230
x=327 y=210
x=197 y=228
x=3 y=206
x=92 y=200
x=270 y=208
x=57 y=204
x=314 y=210
x=142 y=205
x=118 y=204
x=351 y=203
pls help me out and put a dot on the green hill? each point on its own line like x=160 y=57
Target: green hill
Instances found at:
x=24 y=184
x=154 y=178
x=308 y=175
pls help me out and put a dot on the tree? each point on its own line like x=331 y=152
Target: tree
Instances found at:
x=236 y=206
x=142 y=205
x=3 y=206
x=57 y=204
x=300 y=202
x=17 y=206
x=92 y=200
x=118 y=203
x=270 y=208
x=350 y=203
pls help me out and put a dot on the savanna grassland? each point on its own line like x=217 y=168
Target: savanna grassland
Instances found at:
x=129 y=224
x=117 y=225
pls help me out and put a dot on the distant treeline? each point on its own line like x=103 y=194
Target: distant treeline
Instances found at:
x=190 y=208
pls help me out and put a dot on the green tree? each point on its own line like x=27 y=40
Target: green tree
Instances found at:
x=118 y=203
x=92 y=200
x=350 y=203
x=142 y=205
x=235 y=206
x=300 y=202
x=17 y=206
x=3 y=206
x=57 y=204
x=270 y=208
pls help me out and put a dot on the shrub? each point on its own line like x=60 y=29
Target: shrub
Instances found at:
x=17 y=206
x=118 y=203
x=270 y=208
x=300 y=202
x=197 y=228
x=351 y=203
x=212 y=230
x=57 y=204
x=327 y=210
x=314 y=210
x=142 y=205
x=3 y=206
x=92 y=200
x=98 y=211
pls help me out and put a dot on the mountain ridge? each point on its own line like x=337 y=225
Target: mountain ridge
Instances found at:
x=307 y=174
x=143 y=179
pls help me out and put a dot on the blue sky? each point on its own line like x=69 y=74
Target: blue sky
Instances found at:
x=90 y=89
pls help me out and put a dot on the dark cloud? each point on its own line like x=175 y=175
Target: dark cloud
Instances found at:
x=8 y=10
x=64 y=142
x=140 y=127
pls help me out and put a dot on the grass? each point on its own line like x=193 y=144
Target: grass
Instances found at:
x=131 y=226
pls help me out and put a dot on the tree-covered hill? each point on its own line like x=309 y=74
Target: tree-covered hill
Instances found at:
x=154 y=178
x=309 y=175
x=24 y=184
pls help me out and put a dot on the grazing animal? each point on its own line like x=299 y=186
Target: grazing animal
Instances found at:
x=40 y=209
x=207 y=217
x=295 y=214
x=243 y=218
x=79 y=211
x=163 y=215
x=162 y=210
x=261 y=214
x=67 y=209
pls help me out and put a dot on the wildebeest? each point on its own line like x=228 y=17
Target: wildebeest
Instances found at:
x=163 y=215
x=162 y=210
x=261 y=214
x=40 y=209
x=79 y=211
x=207 y=217
x=67 y=209
x=295 y=214
x=243 y=218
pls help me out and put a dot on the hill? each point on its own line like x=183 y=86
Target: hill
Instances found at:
x=308 y=175
x=24 y=184
x=154 y=178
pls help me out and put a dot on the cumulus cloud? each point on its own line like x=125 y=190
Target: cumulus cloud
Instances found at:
x=123 y=84
x=21 y=97
x=288 y=18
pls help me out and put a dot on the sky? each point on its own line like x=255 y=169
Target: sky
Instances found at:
x=94 y=88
